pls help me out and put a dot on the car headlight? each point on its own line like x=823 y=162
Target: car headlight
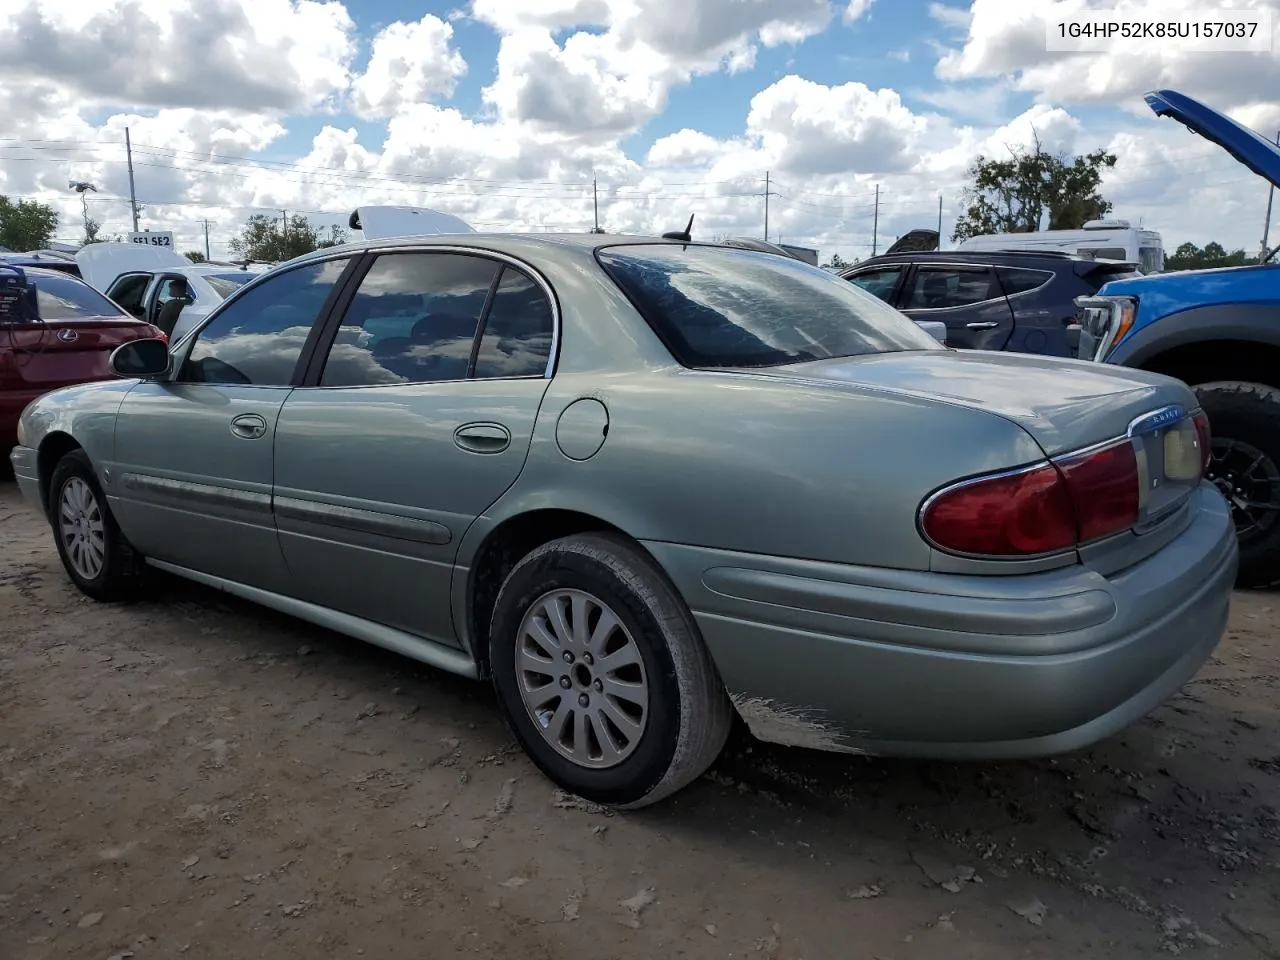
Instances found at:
x=1106 y=321
x=22 y=433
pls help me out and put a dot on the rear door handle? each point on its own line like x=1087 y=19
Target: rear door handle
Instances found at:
x=983 y=325
x=248 y=426
x=482 y=437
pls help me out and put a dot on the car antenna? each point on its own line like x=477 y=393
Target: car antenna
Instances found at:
x=685 y=235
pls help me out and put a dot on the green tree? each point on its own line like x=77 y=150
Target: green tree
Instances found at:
x=1014 y=195
x=1190 y=257
x=838 y=262
x=26 y=225
x=195 y=256
x=266 y=238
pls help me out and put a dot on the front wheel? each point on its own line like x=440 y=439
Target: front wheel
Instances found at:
x=602 y=674
x=1244 y=419
x=94 y=552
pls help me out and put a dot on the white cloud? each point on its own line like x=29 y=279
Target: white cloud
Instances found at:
x=572 y=82
x=856 y=10
x=410 y=63
x=261 y=55
x=609 y=80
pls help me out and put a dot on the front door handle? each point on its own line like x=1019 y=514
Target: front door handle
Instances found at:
x=983 y=325
x=248 y=426
x=482 y=437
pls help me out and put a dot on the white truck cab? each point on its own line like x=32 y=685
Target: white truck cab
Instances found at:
x=1098 y=239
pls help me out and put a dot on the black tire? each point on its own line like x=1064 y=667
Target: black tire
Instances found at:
x=121 y=569
x=1248 y=413
x=688 y=714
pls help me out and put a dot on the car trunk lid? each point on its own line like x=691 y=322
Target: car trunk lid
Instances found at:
x=59 y=352
x=1066 y=406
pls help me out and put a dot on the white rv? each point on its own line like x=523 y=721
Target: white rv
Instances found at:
x=1099 y=239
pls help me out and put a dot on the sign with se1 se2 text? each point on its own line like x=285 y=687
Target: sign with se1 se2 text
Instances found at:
x=154 y=238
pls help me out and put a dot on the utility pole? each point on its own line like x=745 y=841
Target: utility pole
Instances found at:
x=939 y=221
x=133 y=196
x=875 y=222
x=766 y=206
x=206 y=241
x=1266 y=227
x=768 y=192
x=595 y=205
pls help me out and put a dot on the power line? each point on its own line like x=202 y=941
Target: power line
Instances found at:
x=405 y=180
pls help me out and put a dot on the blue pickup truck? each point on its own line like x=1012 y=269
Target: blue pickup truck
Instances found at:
x=1218 y=331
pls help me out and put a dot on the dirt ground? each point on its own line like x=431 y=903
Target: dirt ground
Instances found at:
x=193 y=776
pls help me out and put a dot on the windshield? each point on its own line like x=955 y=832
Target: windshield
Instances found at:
x=725 y=307
x=225 y=284
x=1151 y=259
x=66 y=298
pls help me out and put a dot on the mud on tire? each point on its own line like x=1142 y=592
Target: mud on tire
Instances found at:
x=556 y=684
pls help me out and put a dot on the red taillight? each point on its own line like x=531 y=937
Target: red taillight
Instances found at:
x=1104 y=488
x=1048 y=508
x=1203 y=436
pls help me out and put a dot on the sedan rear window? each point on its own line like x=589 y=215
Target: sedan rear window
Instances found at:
x=225 y=284
x=66 y=298
x=725 y=307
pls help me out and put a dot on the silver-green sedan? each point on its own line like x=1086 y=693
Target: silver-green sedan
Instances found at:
x=645 y=485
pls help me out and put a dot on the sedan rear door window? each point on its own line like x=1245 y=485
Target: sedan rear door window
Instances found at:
x=413 y=319
x=724 y=307
x=938 y=288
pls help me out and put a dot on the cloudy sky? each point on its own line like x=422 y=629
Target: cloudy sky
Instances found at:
x=503 y=111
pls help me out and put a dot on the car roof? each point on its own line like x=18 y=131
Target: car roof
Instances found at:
x=973 y=256
x=512 y=243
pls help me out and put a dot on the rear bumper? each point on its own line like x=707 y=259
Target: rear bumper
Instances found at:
x=942 y=666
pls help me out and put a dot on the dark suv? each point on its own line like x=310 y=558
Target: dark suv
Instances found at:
x=1016 y=300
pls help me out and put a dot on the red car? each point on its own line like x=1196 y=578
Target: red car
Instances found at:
x=55 y=331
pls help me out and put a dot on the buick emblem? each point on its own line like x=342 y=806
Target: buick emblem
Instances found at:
x=1157 y=420
x=67 y=335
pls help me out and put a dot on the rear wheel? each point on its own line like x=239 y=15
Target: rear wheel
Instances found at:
x=94 y=552
x=1245 y=465
x=602 y=674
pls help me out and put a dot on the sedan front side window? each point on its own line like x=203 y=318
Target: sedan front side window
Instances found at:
x=259 y=337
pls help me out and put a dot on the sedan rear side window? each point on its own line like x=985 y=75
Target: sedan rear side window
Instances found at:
x=1016 y=280
x=65 y=298
x=724 y=307
x=225 y=284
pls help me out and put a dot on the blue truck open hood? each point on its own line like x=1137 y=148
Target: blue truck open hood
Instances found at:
x=1255 y=152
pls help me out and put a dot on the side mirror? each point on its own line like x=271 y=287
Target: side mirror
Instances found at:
x=934 y=328
x=140 y=359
